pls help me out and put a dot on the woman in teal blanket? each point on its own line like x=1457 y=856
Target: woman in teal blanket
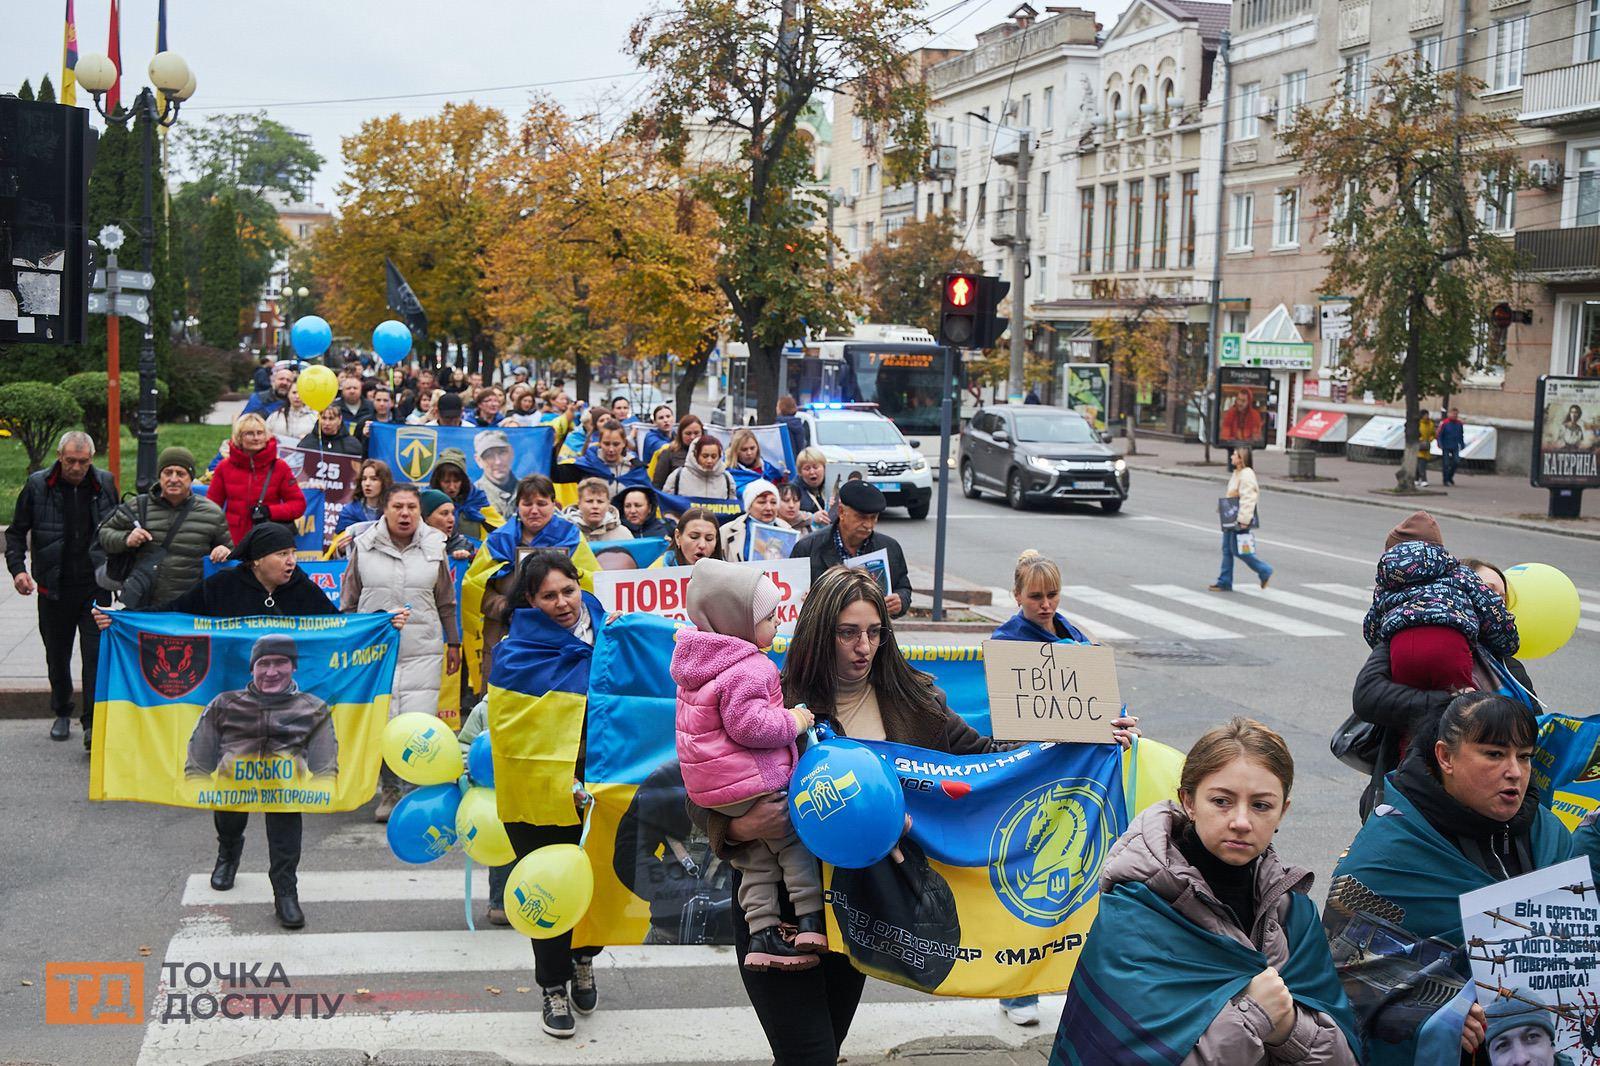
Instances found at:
x=1207 y=950
x=1457 y=816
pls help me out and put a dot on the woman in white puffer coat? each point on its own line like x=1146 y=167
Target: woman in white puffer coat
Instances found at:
x=401 y=562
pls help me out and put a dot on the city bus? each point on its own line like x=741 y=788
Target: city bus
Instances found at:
x=896 y=367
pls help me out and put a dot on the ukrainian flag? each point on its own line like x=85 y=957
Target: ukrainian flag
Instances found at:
x=537 y=702
x=498 y=557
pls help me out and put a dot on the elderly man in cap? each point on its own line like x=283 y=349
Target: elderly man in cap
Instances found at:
x=1521 y=1034
x=493 y=451
x=855 y=534
x=170 y=528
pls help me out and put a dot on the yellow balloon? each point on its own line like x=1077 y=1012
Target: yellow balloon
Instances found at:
x=1546 y=605
x=479 y=830
x=421 y=749
x=549 y=890
x=317 y=387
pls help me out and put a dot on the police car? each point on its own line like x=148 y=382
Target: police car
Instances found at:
x=854 y=436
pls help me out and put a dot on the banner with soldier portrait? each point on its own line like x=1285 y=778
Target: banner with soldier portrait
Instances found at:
x=250 y=714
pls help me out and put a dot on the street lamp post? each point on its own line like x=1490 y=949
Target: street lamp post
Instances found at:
x=172 y=77
x=289 y=296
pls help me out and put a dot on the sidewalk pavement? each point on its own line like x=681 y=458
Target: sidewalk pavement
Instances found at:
x=1501 y=499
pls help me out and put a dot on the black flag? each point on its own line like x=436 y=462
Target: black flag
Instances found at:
x=403 y=301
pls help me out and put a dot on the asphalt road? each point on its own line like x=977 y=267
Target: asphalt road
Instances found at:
x=123 y=882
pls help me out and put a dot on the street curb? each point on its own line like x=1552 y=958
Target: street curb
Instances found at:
x=1278 y=485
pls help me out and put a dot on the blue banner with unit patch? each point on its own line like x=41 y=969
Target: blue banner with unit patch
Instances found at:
x=249 y=714
x=412 y=452
x=1566 y=766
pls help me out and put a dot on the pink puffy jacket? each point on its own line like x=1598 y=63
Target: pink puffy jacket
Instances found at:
x=735 y=738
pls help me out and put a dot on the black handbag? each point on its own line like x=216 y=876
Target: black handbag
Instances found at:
x=1228 y=514
x=1355 y=743
x=141 y=580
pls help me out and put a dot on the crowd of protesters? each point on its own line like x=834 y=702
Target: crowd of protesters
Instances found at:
x=1447 y=711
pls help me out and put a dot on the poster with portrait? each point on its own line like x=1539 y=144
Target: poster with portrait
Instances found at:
x=1566 y=433
x=875 y=563
x=251 y=714
x=333 y=474
x=1241 y=402
x=1532 y=942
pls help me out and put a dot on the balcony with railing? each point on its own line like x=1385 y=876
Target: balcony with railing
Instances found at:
x=1253 y=14
x=1561 y=96
x=1572 y=253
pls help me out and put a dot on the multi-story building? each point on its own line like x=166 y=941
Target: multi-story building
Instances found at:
x=1137 y=201
x=300 y=217
x=1293 y=54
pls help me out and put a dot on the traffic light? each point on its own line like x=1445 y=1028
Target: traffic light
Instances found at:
x=958 y=311
x=966 y=311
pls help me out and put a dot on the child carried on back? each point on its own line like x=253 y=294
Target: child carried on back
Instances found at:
x=736 y=745
x=1432 y=610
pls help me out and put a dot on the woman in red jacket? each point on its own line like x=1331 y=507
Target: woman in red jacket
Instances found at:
x=251 y=484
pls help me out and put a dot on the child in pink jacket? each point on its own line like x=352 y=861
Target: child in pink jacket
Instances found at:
x=736 y=745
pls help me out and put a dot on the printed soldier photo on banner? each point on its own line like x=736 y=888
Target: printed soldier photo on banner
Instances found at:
x=269 y=730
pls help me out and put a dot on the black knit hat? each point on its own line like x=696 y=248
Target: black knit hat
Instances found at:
x=262 y=541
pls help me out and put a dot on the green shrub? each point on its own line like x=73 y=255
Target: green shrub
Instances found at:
x=37 y=414
x=89 y=389
x=199 y=378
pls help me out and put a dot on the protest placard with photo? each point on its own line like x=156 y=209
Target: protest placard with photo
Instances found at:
x=1533 y=942
x=769 y=543
x=333 y=474
x=875 y=563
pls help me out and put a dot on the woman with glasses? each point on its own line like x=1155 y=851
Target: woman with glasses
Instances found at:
x=846 y=667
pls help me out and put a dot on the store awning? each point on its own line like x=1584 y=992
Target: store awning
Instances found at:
x=1329 y=426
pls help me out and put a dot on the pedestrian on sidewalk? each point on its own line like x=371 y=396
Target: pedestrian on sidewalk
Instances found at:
x=1452 y=435
x=57 y=514
x=1426 y=431
x=1240 y=520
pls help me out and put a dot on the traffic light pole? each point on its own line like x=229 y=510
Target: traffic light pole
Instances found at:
x=945 y=417
x=1019 y=275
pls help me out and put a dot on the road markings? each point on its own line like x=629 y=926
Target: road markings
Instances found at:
x=1148 y=613
x=1220 y=603
x=1215 y=532
x=1305 y=603
x=702 y=1034
x=1349 y=592
x=342 y=886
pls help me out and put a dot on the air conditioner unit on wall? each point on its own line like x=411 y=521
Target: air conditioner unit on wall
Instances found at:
x=1544 y=173
x=1303 y=314
x=1267 y=108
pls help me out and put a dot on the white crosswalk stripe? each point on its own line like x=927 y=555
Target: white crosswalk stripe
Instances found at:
x=1349 y=592
x=1220 y=603
x=1149 y=614
x=1321 y=608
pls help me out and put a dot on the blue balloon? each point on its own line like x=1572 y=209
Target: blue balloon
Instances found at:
x=311 y=336
x=480 y=761
x=846 y=804
x=391 y=341
x=422 y=826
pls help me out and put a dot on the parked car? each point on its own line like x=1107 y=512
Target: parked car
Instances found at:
x=856 y=437
x=1030 y=452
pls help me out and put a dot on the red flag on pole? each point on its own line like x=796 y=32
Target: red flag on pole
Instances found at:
x=114 y=50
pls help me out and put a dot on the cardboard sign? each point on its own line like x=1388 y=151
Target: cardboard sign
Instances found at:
x=1064 y=692
x=663 y=591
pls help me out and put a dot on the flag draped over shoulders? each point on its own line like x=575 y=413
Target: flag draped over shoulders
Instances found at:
x=1151 y=982
x=1018 y=627
x=497 y=558
x=537 y=702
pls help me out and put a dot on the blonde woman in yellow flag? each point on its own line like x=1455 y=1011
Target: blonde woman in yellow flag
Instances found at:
x=486 y=588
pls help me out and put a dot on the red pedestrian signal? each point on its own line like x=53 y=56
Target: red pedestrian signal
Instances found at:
x=958 y=290
x=967 y=316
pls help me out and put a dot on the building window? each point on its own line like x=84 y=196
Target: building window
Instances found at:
x=1135 y=223
x=1158 y=247
x=1050 y=103
x=869 y=234
x=1086 y=230
x=852 y=238
x=305 y=230
x=1041 y=271
x=855 y=127
x=1044 y=193
x=929 y=212
x=1027 y=110
x=1245 y=125
x=872 y=178
x=1428 y=51
x=966 y=131
x=1237 y=322
x=1591 y=30
x=1240 y=221
x=1497 y=203
x=963 y=203
x=1286 y=219
x=1291 y=97
x=1354 y=81
x=855 y=181
x=983 y=203
x=1588 y=187
x=1506 y=41
x=1189 y=220
x=950 y=132
x=1108 y=242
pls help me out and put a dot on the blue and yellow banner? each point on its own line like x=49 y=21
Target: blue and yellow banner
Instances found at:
x=1000 y=883
x=251 y=714
x=413 y=451
x=326 y=574
x=1566 y=766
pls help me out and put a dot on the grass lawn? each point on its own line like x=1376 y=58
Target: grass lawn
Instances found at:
x=200 y=439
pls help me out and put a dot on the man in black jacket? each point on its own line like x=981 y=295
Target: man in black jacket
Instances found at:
x=855 y=534
x=57 y=514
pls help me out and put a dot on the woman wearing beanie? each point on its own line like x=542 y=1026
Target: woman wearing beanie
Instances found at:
x=267 y=581
x=440 y=513
x=760 y=499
